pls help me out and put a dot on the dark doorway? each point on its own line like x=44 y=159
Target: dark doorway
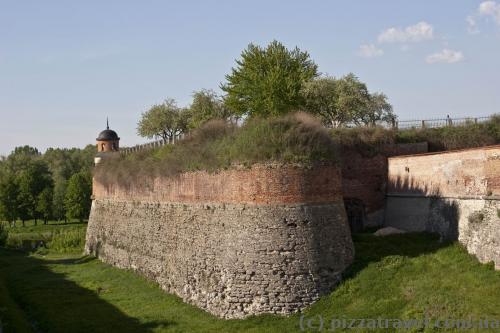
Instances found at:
x=355 y=210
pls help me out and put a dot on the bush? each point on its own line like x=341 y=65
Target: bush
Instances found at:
x=365 y=140
x=298 y=138
x=64 y=241
x=368 y=140
x=456 y=137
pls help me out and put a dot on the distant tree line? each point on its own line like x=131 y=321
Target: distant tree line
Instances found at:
x=272 y=81
x=55 y=185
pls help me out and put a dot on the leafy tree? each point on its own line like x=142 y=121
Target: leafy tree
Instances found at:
x=44 y=204
x=9 y=198
x=207 y=105
x=321 y=97
x=21 y=157
x=26 y=199
x=32 y=181
x=77 y=200
x=267 y=81
x=345 y=100
x=379 y=109
x=165 y=120
x=58 y=205
x=63 y=163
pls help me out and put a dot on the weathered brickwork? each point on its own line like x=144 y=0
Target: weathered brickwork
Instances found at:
x=261 y=184
x=232 y=259
x=471 y=172
x=364 y=177
x=455 y=194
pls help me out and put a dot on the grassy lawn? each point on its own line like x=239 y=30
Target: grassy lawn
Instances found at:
x=30 y=235
x=400 y=276
x=39 y=228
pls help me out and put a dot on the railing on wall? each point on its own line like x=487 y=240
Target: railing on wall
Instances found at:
x=436 y=123
x=397 y=124
x=151 y=145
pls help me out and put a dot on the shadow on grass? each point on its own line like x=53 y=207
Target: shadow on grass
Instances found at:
x=419 y=207
x=370 y=248
x=55 y=304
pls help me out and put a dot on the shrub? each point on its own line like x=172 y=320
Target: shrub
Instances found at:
x=455 y=137
x=298 y=138
x=64 y=241
x=366 y=140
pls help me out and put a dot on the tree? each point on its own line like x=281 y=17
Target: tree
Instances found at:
x=58 y=205
x=165 y=120
x=9 y=198
x=267 y=81
x=345 y=100
x=26 y=199
x=77 y=200
x=32 y=181
x=379 y=109
x=44 y=204
x=207 y=105
x=21 y=157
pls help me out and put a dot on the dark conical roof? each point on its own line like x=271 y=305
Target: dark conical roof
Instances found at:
x=107 y=134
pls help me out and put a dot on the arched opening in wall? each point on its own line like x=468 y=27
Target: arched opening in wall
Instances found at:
x=355 y=210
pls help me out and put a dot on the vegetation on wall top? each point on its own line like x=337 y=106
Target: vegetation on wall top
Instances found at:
x=218 y=144
x=298 y=137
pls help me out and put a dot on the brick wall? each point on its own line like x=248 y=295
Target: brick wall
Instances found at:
x=260 y=184
x=364 y=177
x=468 y=172
x=454 y=194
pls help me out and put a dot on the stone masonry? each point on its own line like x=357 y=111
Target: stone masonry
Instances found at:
x=455 y=194
x=269 y=239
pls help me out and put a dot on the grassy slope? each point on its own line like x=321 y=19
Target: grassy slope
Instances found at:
x=401 y=276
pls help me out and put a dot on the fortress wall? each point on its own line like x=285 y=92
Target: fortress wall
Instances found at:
x=270 y=239
x=261 y=184
x=364 y=177
x=455 y=194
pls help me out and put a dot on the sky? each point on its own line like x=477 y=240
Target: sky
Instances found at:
x=67 y=65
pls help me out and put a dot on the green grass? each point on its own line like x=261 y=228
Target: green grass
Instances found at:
x=58 y=236
x=400 y=276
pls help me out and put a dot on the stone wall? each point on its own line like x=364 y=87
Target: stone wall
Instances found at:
x=270 y=239
x=456 y=194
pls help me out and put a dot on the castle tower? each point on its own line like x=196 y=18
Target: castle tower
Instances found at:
x=107 y=142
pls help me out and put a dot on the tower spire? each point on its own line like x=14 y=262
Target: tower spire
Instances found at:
x=107 y=123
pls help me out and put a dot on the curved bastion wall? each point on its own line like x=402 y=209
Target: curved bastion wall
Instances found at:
x=244 y=241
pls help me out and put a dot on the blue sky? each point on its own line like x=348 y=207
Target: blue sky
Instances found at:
x=65 y=66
